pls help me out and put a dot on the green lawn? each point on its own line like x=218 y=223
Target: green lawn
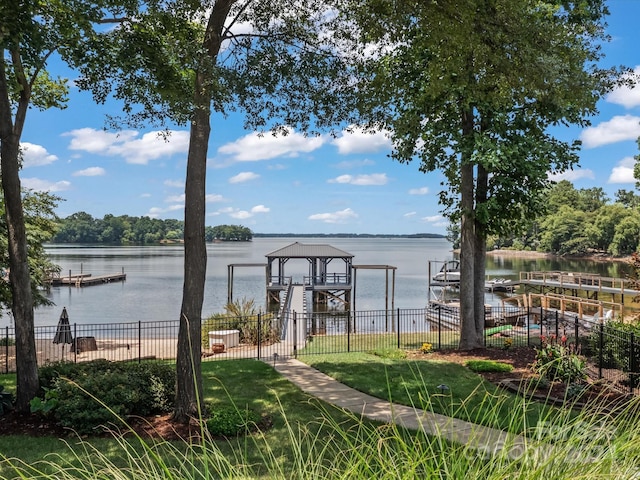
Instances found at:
x=415 y=383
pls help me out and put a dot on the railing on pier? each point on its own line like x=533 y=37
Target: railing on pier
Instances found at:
x=327 y=279
x=578 y=280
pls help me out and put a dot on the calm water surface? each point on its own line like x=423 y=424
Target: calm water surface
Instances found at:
x=153 y=289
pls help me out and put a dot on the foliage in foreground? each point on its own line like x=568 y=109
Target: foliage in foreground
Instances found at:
x=592 y=445
x=70 y=391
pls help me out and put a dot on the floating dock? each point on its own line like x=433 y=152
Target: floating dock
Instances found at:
x=87 y=279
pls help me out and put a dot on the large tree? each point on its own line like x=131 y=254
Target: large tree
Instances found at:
x=472 y=88
x=30 y=33
x=276 y=61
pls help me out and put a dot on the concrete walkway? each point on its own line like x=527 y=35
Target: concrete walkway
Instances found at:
x=487 y=441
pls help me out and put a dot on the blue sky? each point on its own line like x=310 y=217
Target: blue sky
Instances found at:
x=293 y=184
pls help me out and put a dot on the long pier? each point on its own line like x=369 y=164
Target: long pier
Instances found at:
x=559 y=282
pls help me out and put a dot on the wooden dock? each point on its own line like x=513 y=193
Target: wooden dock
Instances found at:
x=87 y=279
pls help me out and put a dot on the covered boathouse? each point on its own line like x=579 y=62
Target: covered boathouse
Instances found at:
x=329 y=274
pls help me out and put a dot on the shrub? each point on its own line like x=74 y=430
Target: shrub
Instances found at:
x=488 y=366
x=6 y=401
x=228 y=421
x=244 y=317
x=557 y=361
x=7 y=342
x=87 y=395
x=426 y=348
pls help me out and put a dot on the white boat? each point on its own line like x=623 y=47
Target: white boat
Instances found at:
x=499 y=285
x=449 y=273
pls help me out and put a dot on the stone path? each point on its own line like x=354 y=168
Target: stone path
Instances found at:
x=484 y=439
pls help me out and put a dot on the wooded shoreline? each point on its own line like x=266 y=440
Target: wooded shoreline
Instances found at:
x=596 y=257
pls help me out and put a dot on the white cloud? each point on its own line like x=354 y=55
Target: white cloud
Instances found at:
x=354 y=140
x=355 y=163
x=213 y=198
x=419 y=191
x=174 y=183
x=175 y=198
x=373 y=179
x=626 y=96
x=244 y=214
x=623 y=172
x=240 y=214
x=410 y=214
x=36 y=155
x=341 y=216
x=573 y=175
x=45 y=185
x=618 y=129
x=433 y=219
x=244 y=177
x=150 y=146
x=90 y=172
x=254 y=147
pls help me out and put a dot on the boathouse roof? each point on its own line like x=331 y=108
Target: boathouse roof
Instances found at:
x=308 y=250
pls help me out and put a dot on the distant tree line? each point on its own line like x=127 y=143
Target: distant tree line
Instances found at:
x=578 y=222
x=81 y=227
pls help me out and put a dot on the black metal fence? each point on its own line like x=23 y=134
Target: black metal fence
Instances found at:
x=612 y=353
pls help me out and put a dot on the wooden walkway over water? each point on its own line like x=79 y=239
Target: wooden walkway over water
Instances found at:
x=592 y=284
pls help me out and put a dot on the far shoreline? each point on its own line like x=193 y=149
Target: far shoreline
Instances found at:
x=596 y=257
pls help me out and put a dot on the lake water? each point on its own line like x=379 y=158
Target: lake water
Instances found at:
x=153 y=289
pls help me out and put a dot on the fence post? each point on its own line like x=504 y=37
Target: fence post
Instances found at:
x=576 y=332
x=139 y=341
x=349 y=331
x=439 y=328
x=75 y=343
x=295 y=334
x=6 y=350
x=484 y=324
x=259 y=333
x=632 y=363
x=529 y=326
x=557 y=322
x=600 y=350
x=398 y=329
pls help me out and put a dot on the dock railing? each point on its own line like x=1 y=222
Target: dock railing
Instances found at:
x=612 y=352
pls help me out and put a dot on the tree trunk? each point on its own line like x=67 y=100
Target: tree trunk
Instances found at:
x=189 y=375
x=469 y=337
x=19 y=275
x=188 y=362
x=480 y=259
